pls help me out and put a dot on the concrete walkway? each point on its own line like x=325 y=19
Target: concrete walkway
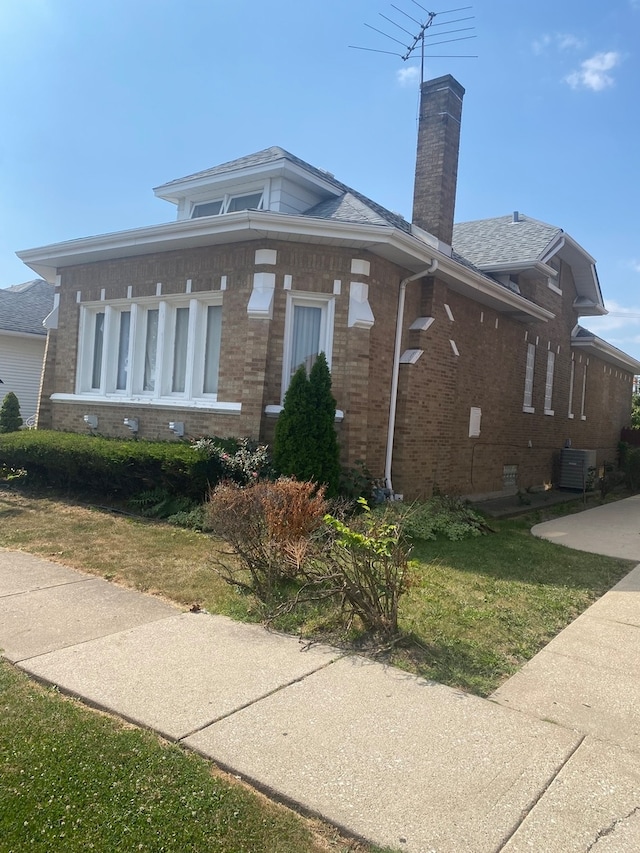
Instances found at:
x=551 y=763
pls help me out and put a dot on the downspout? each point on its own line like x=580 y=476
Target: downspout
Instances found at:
x=396 y=370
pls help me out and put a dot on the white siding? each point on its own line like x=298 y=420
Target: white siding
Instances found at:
x=20 y=369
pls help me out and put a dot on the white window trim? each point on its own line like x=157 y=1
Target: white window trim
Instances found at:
x=162 y=395
x=327 y=303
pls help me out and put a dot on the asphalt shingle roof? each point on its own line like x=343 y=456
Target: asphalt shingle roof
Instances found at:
x=485 y=242
x=23 y=307
x=350 y=206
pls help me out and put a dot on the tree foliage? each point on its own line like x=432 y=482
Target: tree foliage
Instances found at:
x=635 y=412
x=10 y=420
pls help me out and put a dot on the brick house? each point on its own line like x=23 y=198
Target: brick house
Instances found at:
x=462 y=368
x=23 y=308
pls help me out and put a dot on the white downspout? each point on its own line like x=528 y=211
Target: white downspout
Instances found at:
x=396 y=370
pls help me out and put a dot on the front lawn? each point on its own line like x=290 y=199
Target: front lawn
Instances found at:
x=478 y=609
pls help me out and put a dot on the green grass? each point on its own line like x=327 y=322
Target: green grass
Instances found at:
x=477 y=611
x=482 y=607
x=76 y=780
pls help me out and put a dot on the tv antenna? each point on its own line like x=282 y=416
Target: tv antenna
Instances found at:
x=418 y=38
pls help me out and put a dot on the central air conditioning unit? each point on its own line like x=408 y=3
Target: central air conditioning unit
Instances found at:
x=574 y=467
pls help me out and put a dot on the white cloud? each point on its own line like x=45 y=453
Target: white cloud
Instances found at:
x=593 y=72
x=635 y=265
x=408 y=76
x=625 y=317
x=570 y=42
x=561 y=41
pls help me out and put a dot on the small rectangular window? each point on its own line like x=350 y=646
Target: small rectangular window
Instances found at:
x=209 y=208
x=244 y=202
x=527 y=403
x=548 y=388
x=572 y=377
x=583 y=415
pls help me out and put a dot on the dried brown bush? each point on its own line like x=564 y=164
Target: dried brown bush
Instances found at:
x=269 y=527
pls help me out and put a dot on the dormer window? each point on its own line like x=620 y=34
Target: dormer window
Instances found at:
x=228 y=204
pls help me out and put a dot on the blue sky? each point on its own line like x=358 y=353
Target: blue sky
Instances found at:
x=103 y=100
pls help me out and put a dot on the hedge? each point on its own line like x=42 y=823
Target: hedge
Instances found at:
x=119 y=467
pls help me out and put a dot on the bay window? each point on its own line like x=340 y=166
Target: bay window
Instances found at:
x=158 y=350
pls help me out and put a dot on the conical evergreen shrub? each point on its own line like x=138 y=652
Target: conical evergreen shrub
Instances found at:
x=323 y=403
x=305 y=444
x=10 y=420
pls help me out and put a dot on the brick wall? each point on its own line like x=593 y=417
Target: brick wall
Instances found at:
x=432 y=446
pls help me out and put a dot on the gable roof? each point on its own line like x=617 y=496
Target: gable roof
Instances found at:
x=23 y=307
x=509 y=244
x=490 y=242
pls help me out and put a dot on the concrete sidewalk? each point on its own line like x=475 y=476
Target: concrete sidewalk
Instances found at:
x=551 y=764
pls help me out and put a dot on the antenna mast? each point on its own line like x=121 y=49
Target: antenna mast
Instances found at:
x=418 y=38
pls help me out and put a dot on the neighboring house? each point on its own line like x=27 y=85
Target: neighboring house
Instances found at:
x=463 y=369
x=23 y=309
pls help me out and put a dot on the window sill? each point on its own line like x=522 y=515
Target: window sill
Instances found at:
x=570 y=416
x=583 y=417
x=274 y=412
x=148 y=402
x=555 y=289
x=529 y=410
x=549 y=412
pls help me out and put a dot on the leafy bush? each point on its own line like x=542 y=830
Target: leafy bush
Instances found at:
x=305 y=445
x=242 y=461
x=440 y=515
x=367 y=566
x=268 y=526
x=110 y=466
x=159 y=503
x=10 y=420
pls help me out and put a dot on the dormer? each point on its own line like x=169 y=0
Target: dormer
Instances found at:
x=271 y=180
x=509 y=246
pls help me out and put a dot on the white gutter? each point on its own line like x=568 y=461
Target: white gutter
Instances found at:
x=396 y=369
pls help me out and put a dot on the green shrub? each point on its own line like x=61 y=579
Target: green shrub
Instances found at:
x=367 y=567
x=305 y=444
x=440 y=515
x=10 y=420
x=119 y=467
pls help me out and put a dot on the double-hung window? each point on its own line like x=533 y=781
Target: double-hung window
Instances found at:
x=153 y=349
x=308 y=332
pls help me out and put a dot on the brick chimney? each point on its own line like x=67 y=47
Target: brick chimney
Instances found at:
x=434 y=192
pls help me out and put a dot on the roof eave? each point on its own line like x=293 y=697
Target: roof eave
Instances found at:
x=398 y=246
x=606 y=352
